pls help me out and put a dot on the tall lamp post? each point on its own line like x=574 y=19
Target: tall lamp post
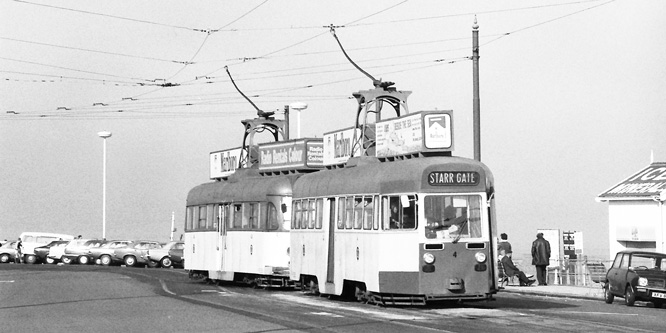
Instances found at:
x=104 y=135
x=298 y=106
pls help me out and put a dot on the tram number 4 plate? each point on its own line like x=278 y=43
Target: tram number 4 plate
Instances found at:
x=659 y=295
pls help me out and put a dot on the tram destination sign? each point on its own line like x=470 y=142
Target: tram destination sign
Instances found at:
x=453 y=178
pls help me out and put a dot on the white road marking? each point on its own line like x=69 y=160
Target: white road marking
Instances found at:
x=328 y=314
x=9 y=281
x=164 y=287
x=374 y=313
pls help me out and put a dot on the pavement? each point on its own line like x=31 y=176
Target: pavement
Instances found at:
x=594 y=292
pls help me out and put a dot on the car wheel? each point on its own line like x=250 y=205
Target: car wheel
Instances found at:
x=30 y=259
x=4 y=258
x=630 y=296
x=153 y=263
x=166 y=262
x=130 y=261
x=66 y=260
x=608 y=297
x=49 y=260
x=84 y=260
x=105 y=260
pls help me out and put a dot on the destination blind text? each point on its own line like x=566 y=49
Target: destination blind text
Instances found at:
x=446 y=178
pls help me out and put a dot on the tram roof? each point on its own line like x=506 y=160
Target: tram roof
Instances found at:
x=243 y=185
x=368 y=175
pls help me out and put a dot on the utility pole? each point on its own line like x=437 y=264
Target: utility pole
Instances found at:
x=476 y=113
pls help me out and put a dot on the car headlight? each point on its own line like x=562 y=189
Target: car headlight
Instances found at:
x=643 y=282
x=480 y=257
x=429 y=258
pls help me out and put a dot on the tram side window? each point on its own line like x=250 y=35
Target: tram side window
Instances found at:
x=189 y=218
x=312 y=214
x=375 y=214
x=358 y=212
x=272 y=217
x=210 y=217
x=298 y=215
x=202 y=218
x=238 y=216
x=320 y=212
x=349 y=218
x=216 y=215
x=367 y=213
x=397 y=215
x=254 y=216
x=305 y=208
x=341 y=213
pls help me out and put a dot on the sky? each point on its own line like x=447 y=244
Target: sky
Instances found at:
x=571 y=99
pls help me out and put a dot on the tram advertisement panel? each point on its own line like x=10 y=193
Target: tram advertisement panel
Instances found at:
x=424 y=131
x=303 y=153
x=224 y=163
x=338 y=146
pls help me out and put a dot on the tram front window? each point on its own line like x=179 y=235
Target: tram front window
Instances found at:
x=453 y=217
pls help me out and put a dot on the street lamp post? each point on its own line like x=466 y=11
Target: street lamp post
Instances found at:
x=298 y=106
x=104 y=135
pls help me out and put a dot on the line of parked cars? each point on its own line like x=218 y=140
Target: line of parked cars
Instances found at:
x=101 y=252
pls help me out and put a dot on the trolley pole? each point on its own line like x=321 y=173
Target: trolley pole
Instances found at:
x=476 y=113
x=286 y=121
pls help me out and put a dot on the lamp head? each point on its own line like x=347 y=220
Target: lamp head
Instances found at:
x=104 y=134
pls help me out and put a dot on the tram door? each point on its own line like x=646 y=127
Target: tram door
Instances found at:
x=330 y=274
x=222 y=217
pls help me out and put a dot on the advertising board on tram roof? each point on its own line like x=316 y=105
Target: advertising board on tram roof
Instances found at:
x=425 y=131
x=306 y=153
x=338 y=146
x=224 y=163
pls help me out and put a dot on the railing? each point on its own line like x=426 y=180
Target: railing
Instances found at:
x=581 y=272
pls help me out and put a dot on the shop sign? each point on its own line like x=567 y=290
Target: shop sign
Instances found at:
x=650 y=181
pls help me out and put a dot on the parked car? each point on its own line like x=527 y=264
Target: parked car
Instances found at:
x=103 y=255
x=169 y=255
x=78 y=251
x=135 y=253
x=637 y=276
x=31 y=240
x=8 y=252
x=43 y=251
x=56 y=251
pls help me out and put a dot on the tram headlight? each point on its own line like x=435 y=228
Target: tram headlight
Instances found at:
x=428 y=258
x=480 y=257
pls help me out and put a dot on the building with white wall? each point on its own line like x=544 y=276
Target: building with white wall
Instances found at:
x=637 y=209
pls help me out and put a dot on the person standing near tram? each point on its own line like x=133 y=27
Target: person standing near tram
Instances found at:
x=541 y=257
x=504 y=247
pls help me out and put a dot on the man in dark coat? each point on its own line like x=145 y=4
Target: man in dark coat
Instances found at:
x=511 y=270
x=541 y=257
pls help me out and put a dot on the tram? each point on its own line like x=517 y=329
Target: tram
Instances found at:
x=235 y=229
x=401 y=232
x=396 y=219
